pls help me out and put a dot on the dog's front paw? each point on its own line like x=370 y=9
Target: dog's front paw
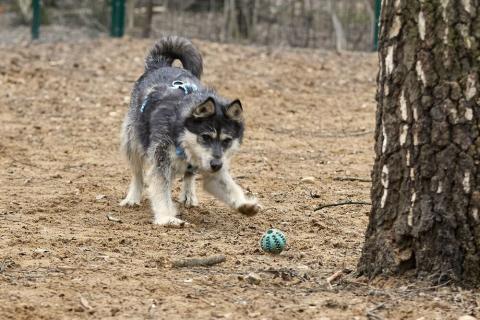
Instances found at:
x=170 y=222
x=130 y=202
x=189 y=201
x=249 y=209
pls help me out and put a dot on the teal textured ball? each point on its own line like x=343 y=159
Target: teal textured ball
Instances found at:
x=273 y=241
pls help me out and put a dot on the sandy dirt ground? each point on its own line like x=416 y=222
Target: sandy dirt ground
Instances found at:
x=309 y=114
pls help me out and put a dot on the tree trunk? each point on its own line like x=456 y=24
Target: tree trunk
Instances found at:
x=426 y=186
x=371 y=16
x=340 y=38
x=130 y=15
x=147 y=27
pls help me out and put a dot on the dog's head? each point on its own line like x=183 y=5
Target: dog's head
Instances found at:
x=213 y=132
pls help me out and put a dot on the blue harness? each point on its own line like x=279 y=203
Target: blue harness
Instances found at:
x=180 y=152
x=187 y=89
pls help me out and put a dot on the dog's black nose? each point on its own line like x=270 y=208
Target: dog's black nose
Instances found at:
x=216 y=165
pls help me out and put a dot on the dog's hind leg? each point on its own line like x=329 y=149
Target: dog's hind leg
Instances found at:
x=131 y=149
x=222 y=186
x=188 y=196
x=159 y=190
x=134 y=195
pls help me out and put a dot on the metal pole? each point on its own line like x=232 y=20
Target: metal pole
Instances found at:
x=121 y=18
x=378 y=8
x=35 y=19
x=118 y=18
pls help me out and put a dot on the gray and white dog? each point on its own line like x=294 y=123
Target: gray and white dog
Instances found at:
x=175 y=125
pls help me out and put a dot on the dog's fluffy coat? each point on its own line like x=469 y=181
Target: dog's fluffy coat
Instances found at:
x=169 y=131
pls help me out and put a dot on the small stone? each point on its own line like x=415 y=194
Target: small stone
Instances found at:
x=85 y=304
x=253 y=278
x=308 y=180
x=100 y=197
x=114 y=311
x=466 y=317
x=40 y=250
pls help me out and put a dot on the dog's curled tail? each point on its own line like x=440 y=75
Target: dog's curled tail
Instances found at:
x=167 y=49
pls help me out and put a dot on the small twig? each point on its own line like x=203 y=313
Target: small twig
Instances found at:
x=351 y=179
x=372 y=315
x=341 y=203
x=337 y=275
x=360 y=133
x=430 y=288
x=25 y=163
x=198 y=262
x=356 y=283
x=112 y=218
x=346 y=134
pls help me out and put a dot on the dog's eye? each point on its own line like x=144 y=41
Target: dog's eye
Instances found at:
x=226 y=142
x=206 y=137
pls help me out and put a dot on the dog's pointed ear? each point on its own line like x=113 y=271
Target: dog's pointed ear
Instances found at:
x=204 y=109
x=235 y=110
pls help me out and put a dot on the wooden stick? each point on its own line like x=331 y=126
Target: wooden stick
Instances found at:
x=341 y=203
x=199 y=262
x=334 y=277
x=351 y=179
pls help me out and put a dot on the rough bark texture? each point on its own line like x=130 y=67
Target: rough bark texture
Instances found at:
x=426 y=186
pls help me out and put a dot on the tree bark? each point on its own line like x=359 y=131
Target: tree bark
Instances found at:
x=425 y=182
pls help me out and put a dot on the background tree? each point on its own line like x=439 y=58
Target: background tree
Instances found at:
x=426 y=181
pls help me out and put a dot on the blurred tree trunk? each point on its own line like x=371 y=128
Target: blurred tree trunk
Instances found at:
x=130 y=15
x=147 y=27
x=340 y=39
x=371 y=15
x=254 y=20
x=231 y=27
x=240 y=18
x=24 y=7
x=426 y=177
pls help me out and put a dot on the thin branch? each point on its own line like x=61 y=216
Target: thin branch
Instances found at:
x=341 y=203
x=29 y=164
x=346 y=178
x=198 y=262
x=337 y=275
x=345 y=135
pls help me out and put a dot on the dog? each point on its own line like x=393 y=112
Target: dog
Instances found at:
x=176 y=125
